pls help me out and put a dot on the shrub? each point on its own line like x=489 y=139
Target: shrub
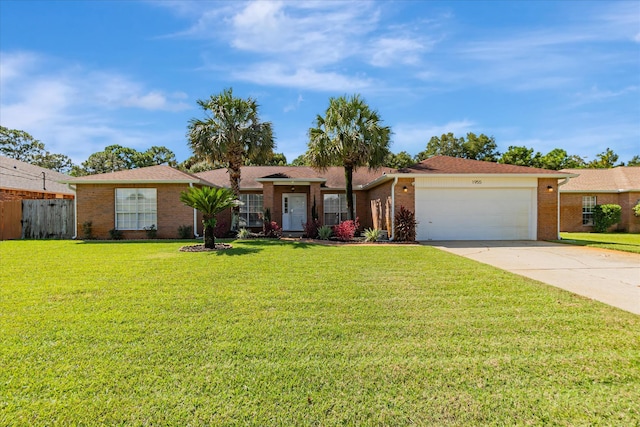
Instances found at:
x=115 y=234
x=405 y=225
x=185 y=232
x=243 y=233
x=372 y=234
x=346 y=230
x=271 y=229
x=221 y=229
x=324 y=232
x=636 y=209
x=311 y=228
x=604 y=216
x=87 y=231
x=151 y=231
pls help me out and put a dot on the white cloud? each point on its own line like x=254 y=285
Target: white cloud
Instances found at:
x=67 y=106
x=302 y=78
x=392 y=51
x=294 y=105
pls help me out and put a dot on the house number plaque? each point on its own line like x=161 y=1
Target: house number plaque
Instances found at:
x=476 y=181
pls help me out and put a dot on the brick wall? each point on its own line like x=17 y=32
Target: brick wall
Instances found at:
x=571 y=210
x=547 y=209
x=96 y=203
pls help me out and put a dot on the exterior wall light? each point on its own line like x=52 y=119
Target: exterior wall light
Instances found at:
x=549 y=188
x=405 y=189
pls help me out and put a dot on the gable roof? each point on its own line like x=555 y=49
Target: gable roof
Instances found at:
x=160 y=174
x=251 y=177
x=616 y=180
x=17 y=175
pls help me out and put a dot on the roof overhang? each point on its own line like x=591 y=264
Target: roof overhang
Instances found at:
x=622 y=190
x=135 y=181
x=290 y=181
x=390 y=176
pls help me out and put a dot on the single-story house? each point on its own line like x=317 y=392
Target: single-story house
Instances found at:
x=134 y=200
x=452 y=198
x=619 y=185
x=20 y=181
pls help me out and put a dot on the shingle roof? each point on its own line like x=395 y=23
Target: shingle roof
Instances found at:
x=622 y=178
x=151 y=174
x=17 y=175
x=454 y=165
x=333 y=177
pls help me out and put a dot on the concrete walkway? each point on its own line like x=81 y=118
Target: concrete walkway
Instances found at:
x=608 y=276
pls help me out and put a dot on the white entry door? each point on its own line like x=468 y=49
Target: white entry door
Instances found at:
x=294 y=211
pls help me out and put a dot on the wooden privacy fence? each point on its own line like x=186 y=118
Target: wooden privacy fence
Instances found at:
x=10 y=219
x=47 y=219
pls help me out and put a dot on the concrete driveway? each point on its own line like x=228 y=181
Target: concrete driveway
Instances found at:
x=608 y=276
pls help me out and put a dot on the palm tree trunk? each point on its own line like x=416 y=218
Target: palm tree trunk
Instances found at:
x=235 y=163
x=348 y=177
x=209 y=236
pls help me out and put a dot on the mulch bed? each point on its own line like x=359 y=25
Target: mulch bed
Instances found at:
x=201 y=248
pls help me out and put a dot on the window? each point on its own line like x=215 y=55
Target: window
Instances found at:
x=588 y=203
x=335 y=208
x=251 y=210
x=136 y=208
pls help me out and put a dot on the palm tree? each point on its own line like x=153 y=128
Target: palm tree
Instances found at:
x=350 y=135
x=210 y=201
x=231 y=133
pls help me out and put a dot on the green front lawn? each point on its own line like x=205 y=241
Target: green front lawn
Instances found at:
x=281 y=333
x=626 y=242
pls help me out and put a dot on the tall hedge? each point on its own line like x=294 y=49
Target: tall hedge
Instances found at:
x=604 y=216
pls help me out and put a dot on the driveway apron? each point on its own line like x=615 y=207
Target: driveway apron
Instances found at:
x=608 y=276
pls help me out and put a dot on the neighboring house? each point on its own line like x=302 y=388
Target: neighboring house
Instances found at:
x=20 y=180
x=620 y=186
x=453 y=199
x=132 y=200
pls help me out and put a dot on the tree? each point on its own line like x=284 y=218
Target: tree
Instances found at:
x=475 y=147
x=210 y=201
x=155 y=156
x=481 y=147
x=349 y=134
x=398 y=161
x=558 y=158
x=231 y=132
x=301 y=160
x=635 y=161
x=20 y=145
x=605 y=160
x=520 y=156
x=445 y=145
x=116 y=158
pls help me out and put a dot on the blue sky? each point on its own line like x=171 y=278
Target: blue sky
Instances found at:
x=546 y=74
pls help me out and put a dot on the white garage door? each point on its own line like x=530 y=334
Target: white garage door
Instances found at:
x=476 y=214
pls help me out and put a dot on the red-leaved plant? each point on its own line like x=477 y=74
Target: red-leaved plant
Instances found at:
x=311 y=228
x=271 y=229
x=346 y=230
x=405 y=225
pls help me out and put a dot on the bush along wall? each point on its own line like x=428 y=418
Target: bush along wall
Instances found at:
x=604 y=216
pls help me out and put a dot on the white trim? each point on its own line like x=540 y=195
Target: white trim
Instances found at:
x=136 y=181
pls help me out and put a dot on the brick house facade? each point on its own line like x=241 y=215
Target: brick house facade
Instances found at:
x=620 y=186
x=528 y=209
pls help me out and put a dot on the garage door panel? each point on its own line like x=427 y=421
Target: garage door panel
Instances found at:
x=474 y=214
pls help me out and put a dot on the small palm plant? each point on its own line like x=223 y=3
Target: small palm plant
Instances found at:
x=210 y=201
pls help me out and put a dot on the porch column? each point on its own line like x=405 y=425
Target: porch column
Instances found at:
x=267 y=196
x=314 y=192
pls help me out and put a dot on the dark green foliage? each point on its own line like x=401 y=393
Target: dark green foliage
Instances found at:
x=19 y=145
x=115 y=234
x=604 y=216
x=185 y=232
x=405 y=225
x=151 y=231
x=210 y=201
x=87 y=231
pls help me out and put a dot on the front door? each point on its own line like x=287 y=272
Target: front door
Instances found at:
x=294 y=211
